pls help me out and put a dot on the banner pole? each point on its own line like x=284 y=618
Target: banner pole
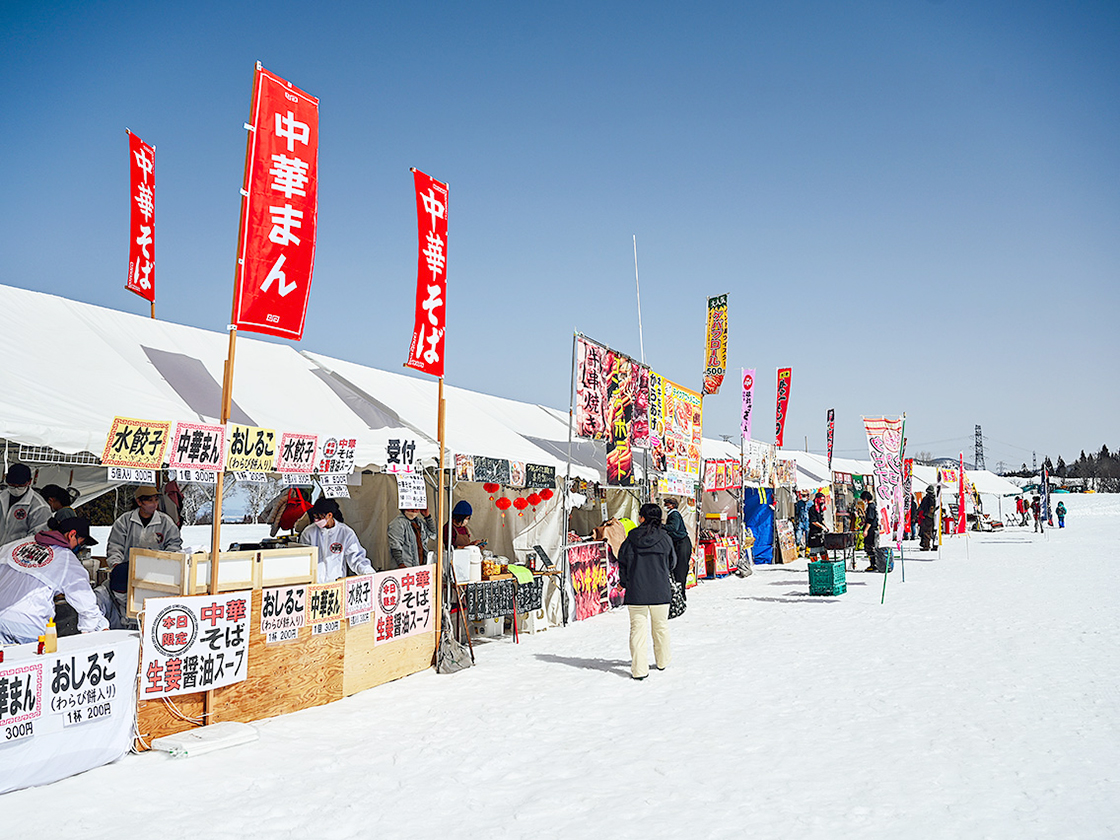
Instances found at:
x=638 y=290
x=153 y=310
x=227 y=378
x=571 y=421
x=439 y=519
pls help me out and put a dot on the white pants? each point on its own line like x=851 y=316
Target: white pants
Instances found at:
x=641 y=617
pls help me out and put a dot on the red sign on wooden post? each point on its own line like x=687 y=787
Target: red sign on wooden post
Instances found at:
x=276 y=248
x=142 y=218
x=426 y=352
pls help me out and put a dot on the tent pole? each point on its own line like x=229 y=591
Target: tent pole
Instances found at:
x=439 y=519
x=571 y=420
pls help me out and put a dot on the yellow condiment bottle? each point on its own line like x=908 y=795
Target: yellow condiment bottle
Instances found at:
x=50 y=638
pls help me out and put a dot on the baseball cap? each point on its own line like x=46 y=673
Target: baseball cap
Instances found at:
x=79 y=524
x=145 y=490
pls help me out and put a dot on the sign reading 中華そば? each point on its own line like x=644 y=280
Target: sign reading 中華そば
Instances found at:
x=402 y=603
x=194 y=643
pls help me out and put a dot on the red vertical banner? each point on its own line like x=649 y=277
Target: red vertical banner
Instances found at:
x=276 y=247
x=785 y=377
x=426 y=351
x=961 y=522
x=142 y=218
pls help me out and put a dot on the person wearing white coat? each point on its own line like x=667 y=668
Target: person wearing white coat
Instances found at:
x=145 y=527
x=338 y=545
x=23 y=513
x=33 y=571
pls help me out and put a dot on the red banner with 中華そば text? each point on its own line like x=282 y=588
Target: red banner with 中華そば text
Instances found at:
x=142 y=218
x=426 y=351
x=276 y=247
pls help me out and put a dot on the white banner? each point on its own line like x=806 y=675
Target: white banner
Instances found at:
x=194 y=643
x=411 y=492
x=402 y=603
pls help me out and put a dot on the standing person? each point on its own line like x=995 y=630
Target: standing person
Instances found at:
x=927 y=515
x=1036 y=511
x=34 y=570
x=801 y=519
x=870 y=528
x=817 y=527
x=1019 y=508
x=409 y=533
x=644 y=563
x=338 y=545
x=682 y=543
x=1061 y=511
x=143 y=527
x=1026 y=512
x=22 y=512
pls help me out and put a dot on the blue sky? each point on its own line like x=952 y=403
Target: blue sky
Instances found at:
x=914 y=204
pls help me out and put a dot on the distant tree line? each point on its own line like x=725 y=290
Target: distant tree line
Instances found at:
x=1100 y=472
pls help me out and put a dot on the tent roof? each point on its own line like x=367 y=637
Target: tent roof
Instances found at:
x=117 y=363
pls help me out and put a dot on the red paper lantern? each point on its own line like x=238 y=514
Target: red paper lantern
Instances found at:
x=546 y=494
x=503 y=503
x=520 y=503
x=491 y=487
x=534 y=499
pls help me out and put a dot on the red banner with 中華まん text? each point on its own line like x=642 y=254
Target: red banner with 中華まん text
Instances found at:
x=276 y=247
x=425 y=353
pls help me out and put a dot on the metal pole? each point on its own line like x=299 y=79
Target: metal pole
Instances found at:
x=637 y=288
x=439 y=517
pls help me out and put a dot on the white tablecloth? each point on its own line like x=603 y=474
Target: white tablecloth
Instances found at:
x=66 y=712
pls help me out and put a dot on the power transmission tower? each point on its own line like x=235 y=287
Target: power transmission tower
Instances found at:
x=1034 y=461
x=979 y=448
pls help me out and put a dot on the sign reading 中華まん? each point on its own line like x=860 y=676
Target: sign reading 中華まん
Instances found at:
x=194 y=643
x=324 y=607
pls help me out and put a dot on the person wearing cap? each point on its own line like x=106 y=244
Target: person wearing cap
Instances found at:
x=22 y=512
x=58 y=499
x=34 y=570
x=409 y=534
x=460 y=535
x=870 y=528
x=144 y=527
x=338 y=545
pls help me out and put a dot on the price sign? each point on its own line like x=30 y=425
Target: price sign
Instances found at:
x=283 y=612
x=359 y=599
x=324 y=607
x=251 y=449
x=136 y=443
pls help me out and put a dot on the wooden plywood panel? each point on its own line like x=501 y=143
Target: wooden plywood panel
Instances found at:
x=367 y=665
x=154 y=719
x=283 y=677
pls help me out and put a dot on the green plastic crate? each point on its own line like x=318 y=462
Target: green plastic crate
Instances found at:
x=827 y=578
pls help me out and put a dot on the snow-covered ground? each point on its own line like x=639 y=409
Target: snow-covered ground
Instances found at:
x=979 y=701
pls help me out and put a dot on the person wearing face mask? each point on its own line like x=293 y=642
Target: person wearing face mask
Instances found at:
x=34 y=570
x=408 y=537
x=338 y=545
x=817 y=527
x=22 y=512
x=144 y=527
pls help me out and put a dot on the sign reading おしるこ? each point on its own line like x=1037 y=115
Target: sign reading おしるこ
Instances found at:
x=251 y=449
x=283 y=612
x=194 y=643
x=402 y=603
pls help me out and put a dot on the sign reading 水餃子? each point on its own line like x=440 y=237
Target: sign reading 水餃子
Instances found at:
x=359 y=599
x=402 y=603
x=276 y=246
x=136 y=443
x=297 y=453
x=426 y=351
x=142 y=218
x=194 y=643
x=251 y=449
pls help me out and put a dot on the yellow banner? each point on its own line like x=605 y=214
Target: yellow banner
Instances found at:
x=251 y=449
x=136 y=443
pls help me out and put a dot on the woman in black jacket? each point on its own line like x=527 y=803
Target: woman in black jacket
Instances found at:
x=644 y=562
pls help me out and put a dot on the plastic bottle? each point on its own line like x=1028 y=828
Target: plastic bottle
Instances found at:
x=51 y=638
